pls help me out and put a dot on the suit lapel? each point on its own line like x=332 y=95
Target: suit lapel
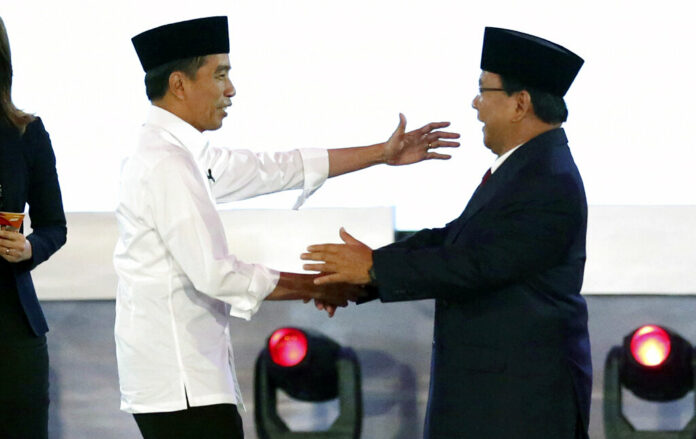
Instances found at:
x=500 y=180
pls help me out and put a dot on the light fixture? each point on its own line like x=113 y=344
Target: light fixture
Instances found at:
x=655 y=364
x=310 y=367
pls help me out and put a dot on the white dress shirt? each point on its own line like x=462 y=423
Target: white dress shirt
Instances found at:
x=178 y=282
x=501 y=159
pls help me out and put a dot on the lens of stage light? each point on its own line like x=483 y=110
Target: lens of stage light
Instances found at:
x=288 y=347
x=650 y=345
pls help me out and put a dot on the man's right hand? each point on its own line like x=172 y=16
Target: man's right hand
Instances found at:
x=337 y=295
x=295 y=286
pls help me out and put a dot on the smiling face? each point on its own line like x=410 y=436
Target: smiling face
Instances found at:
x=209 y=93
x=496 y=110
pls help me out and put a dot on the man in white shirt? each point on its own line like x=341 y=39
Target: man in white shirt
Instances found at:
x=178 y=281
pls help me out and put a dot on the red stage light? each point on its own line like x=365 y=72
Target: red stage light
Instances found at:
x=287 y=346
x=650 y=345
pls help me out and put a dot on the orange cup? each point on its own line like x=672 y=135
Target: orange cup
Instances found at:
x=11 y=220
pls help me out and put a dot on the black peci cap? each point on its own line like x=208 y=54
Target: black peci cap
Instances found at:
x=185 y=39
x=534 y=61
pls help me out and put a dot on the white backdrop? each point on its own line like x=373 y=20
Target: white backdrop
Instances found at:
x=324 y=73
x=630 y=249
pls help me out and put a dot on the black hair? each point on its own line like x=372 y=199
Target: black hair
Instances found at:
x=547 y=107
x=10 y=116
x=157 y=79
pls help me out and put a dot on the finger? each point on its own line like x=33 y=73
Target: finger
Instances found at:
x=444 y=135
x=445 y=144
x=18 y=246
x=330 y=279
x=336 y=302
x=314 y=256
x=326 y=248
x=437 y=156
x=319 y=267
x=425 y=129
x=401 y=128
x=348 y=238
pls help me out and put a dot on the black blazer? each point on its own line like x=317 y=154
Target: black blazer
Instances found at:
x=28 y=176
x=511 y=352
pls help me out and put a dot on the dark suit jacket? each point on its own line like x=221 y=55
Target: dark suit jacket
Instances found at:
x=28 y=176
x=511 y=353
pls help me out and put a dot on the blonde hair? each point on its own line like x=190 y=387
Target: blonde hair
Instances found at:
x=9 y=114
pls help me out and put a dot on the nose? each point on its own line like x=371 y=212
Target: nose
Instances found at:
x=230 y=91
x=474 y=103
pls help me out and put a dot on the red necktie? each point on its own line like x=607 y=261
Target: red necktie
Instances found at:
x=485 y=177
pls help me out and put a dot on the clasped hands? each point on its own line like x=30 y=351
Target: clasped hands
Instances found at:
x=344 y=271
x=344 y=268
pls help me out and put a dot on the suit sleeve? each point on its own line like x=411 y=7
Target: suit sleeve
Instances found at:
x=524 y=236
x=48 y=224
x=422 y=238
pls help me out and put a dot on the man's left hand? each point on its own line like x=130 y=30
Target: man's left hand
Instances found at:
x=348 y=263
x=404 y=148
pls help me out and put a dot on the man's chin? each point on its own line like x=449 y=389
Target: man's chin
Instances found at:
x=217 y=126
x=487 y=143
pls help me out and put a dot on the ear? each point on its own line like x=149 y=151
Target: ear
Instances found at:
x=523 y=105
x=177 y=84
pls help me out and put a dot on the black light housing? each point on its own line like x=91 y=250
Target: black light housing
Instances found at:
x=311 y=367
x=656 y=364
x=314 y=377
x=666 y=372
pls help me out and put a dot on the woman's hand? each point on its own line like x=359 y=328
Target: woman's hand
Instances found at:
x=14 y=247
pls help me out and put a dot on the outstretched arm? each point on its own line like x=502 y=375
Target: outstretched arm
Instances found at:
x=402 y=148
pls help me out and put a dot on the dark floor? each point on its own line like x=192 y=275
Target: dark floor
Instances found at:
x=392 y=343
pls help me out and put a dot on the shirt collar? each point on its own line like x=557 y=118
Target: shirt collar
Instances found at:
x=187 y=136
x=499 y=161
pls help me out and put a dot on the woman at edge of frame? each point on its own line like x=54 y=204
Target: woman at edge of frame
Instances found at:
x=27 y=176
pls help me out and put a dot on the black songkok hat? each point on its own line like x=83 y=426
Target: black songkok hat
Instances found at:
x=534 y=61
x=186 y=39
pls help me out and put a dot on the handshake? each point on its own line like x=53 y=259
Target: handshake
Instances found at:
x=343 y=273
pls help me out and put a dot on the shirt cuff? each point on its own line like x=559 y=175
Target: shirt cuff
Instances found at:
x=263 y=282
x=315 y=164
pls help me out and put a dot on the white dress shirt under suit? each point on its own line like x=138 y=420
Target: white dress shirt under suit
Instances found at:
x=178 y=282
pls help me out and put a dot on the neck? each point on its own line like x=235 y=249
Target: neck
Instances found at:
x=173 y=106
x=525 y=133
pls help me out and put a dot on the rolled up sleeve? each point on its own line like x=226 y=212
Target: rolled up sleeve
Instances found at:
x=315 y=163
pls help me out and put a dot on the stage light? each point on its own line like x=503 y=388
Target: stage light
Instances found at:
x=287 y=347
x=308 y=367
x=656 y=365
x=650 y=345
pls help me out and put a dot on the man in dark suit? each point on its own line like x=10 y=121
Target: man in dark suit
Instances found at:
x=511 y=352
